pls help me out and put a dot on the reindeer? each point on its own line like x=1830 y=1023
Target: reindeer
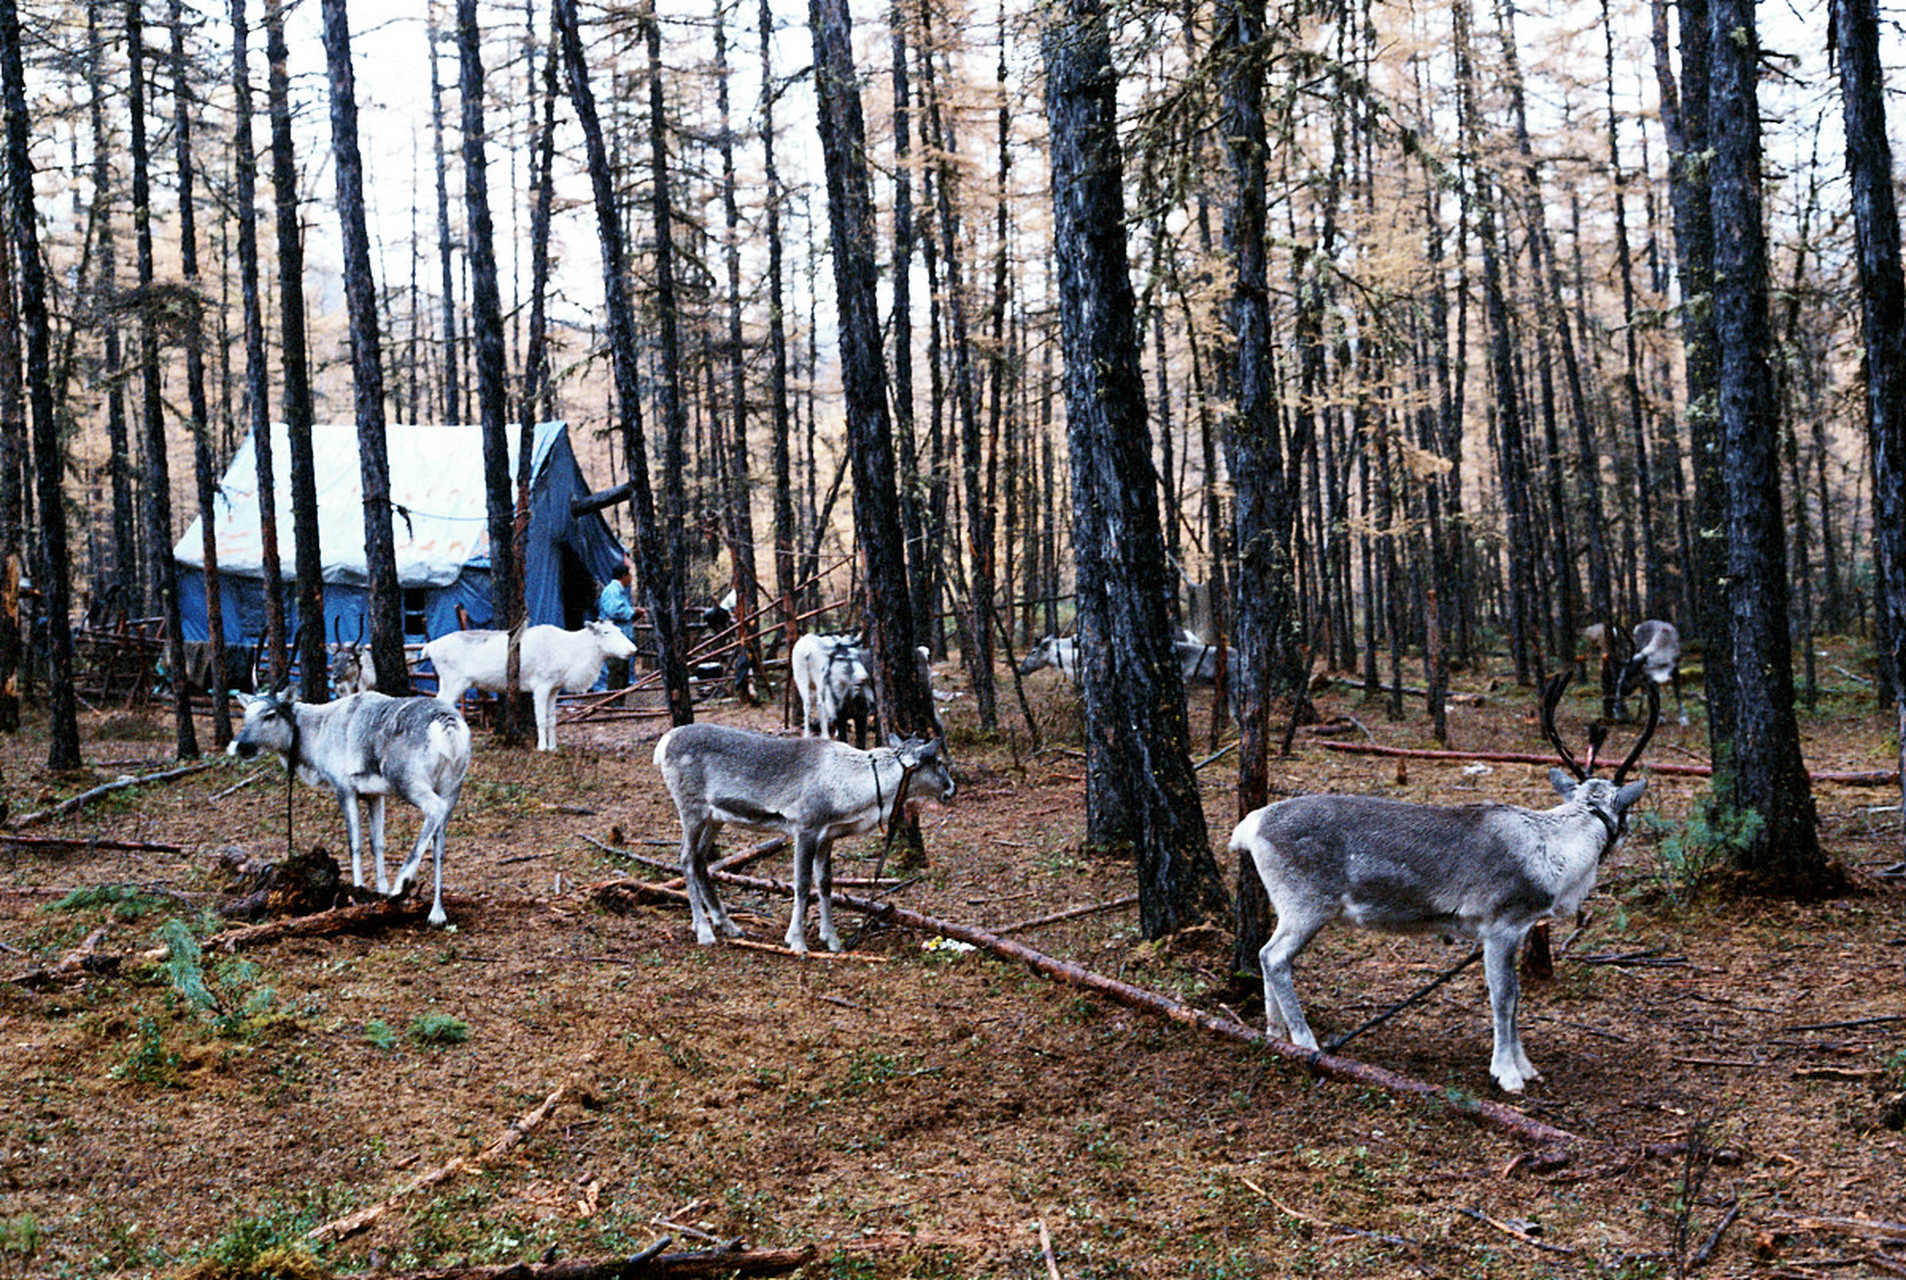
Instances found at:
x=1487 y=871
x=368 y=746
x=814 y=790
x=1657 y=656
x=351 y=668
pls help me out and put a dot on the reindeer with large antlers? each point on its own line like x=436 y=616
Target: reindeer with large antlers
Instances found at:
x=1486 y=871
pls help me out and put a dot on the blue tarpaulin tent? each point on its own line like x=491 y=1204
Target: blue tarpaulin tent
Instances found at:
x=440 y=527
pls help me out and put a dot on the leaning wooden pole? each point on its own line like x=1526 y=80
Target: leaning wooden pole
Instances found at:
x=1554 y=1143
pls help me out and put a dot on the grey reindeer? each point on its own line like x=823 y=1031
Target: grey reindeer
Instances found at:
x=1485 y=871
x=813 y=790
x=367 y=746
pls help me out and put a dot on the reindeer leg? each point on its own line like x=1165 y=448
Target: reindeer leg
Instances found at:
x=353 y=835
x=376 y=803
x=1509 y=1066
x=824 y=877
x=803 y=877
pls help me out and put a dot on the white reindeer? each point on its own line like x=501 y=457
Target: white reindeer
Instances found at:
x=812 y=790
x=552 y=660
x=830 y=675
x=352 y=670
x=1657 y=656
x=1487 y=871
x=1061 y=652
x=368 y=746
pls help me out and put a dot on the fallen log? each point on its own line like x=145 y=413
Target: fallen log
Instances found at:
x=85 y=798
x=1855 y=778
x=351 y=1223
x=1554 y=1144
x=94 y=842
x=641 y=1266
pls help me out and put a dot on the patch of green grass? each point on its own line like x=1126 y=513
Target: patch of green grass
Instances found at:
x=124 y=902
x=438 y=1029
x=378 y=1032
x=150 y=1062
x=268 y=1246
x=20 y=1236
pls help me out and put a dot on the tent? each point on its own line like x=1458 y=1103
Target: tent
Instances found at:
x=440 y=525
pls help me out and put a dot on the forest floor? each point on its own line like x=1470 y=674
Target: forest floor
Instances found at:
x=922 y=1111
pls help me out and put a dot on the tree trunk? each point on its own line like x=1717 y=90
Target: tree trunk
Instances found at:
x=202 y=466
x=314 y=679
x=651 y=560
x=367 y=362
x=257 y=376
x=779 y=425
x=1883 y=323
x=126 y=577
x=49 y=455
x=1656 y=590
x=920 y=567
x=1270 y=669
x=674 y=413
x=900 y=689
x=506 y=593
x=1141 y=791
x=162 y=570
x=1684 y=118
x=452 y=408
x=1763 y=774
x=740 y=480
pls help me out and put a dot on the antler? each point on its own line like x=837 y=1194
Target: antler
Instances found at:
x=1551 y=696
x=1654 y=718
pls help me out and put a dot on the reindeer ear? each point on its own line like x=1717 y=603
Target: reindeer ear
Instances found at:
x=1631 y=792
x=1563 y=781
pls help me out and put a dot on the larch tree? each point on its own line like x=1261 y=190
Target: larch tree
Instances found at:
x=386 y=604
x=257 y=375
x=162 y=571
x=49 y=453
x=183 y=110
x=651 y=560
x=294 y=366
x=900 y=688
x=1264 y=514
x=1869 y=159
x=506 y=591
x=1141 y=791
x=1763 y=784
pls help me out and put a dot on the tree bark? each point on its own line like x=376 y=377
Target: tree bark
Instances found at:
x=651 y=561
x=1883 y=322
x=674 y=411
x=207 y=483
x=162 y=569
x=506 y=592
x=900 y=689
x=49 y=455
x=126 y=576
x=1141 y=791
x=257 y=376
x=314 y=678
x=367 y=363
x=1764 y=774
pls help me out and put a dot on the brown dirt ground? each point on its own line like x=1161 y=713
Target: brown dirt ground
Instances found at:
x=919 y=1117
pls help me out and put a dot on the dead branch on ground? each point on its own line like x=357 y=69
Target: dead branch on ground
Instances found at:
x=650 y=1264
x=351 y=1223
x=85 y=798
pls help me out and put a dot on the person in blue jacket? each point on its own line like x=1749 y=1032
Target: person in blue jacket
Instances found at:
x=616 y=605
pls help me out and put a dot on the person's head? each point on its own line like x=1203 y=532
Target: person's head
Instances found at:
x=624 y=571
